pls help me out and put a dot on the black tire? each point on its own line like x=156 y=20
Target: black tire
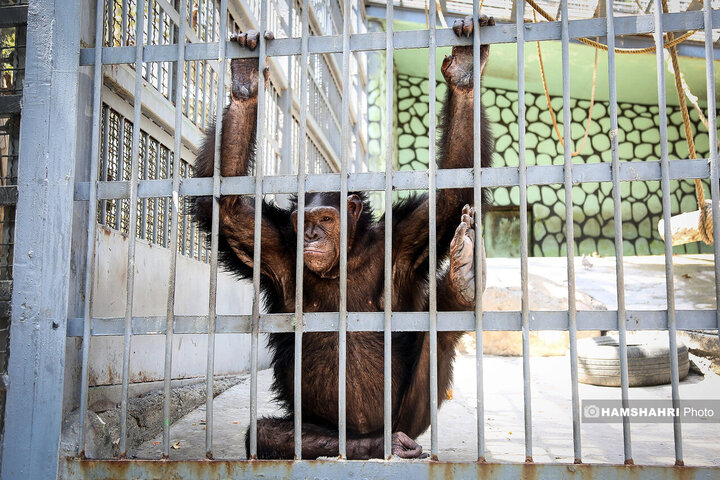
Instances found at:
x=648 y=364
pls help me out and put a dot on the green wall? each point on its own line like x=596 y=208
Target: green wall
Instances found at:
x=593 y=206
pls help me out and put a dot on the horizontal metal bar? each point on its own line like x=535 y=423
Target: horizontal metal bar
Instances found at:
x=404 y=180
x=13 y=15
x=402 y=322
x=92 y=469
x=500 y=33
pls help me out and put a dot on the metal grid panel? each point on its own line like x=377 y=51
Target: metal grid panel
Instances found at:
x=143 y=182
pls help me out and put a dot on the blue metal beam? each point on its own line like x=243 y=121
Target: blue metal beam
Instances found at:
x=33 y=414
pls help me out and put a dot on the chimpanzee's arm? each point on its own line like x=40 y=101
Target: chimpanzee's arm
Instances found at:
x=455 y=151
x=237 y=214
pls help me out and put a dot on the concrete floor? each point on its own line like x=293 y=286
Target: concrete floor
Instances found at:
x=552 y=421
x=550 y=377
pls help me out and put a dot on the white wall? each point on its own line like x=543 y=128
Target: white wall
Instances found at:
x=152 y=266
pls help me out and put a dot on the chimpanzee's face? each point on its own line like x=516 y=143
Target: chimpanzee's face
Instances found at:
x=322 y=231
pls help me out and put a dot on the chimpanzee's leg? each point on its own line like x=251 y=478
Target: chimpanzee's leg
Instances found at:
x=276 y=441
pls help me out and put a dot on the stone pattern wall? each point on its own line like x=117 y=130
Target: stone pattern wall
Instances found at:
x=639 y=138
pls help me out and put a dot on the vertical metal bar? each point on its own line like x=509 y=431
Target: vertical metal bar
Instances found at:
x=40 y=301
x=389 y=90
x=712 y=128
x=144 y=201
x=203 y=119
x=156 y=200
x=665 y=183
x=166 y=222
x=90 y=259
x=257 y=240
x=212 y=302
x=120 y=170
x=522 y=167
x=617 y=200
x=106 y=152
x=342 y=325
x=170 y=312
x=299 y=261
x=150 y=38
x=432 y=237
x=477 y=200
x=132 y=226
x=569 y=232
x=197 y=91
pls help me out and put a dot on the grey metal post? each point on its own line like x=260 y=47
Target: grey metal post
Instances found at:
x=522 y=186
x=46 y=169
x=387 y=294
x=665 y=183
x=477 y=201
x=432 y=231
x=617 y=215
x=570 y=233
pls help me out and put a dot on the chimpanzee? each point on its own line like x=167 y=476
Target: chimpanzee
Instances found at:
x=365 y=274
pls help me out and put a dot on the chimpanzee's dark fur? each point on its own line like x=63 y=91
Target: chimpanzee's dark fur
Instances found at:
x=410 y=350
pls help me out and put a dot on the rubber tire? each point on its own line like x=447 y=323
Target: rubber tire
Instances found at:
x=648 y=364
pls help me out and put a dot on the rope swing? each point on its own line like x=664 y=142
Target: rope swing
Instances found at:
x=687 y=227
x=692 y=226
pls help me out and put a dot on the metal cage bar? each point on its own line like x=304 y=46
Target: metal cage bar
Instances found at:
x=522 y=186
x=342 y=307
x=432 y=231
x=92 y=224
x=257 y=240
x=214 y=234
x=669 y=279
x=132 y=225
x=617 y=216
x=570 y=234
x=170 y=322
x=387 y=279
x=300 y=244
x=479 y=248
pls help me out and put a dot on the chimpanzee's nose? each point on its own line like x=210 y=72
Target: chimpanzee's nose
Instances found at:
x=311 y=234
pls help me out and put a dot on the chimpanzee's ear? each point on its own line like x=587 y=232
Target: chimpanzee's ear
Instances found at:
x=355 y=205
x=293 y=218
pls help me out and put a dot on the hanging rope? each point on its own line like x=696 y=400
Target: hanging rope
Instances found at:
x=601 y=46
x=705 y=222
x=549 y=103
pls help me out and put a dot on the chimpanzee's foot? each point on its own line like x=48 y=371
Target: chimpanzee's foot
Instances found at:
x=405 y=447
x=458 y=67
x=245 y=70
x=462 y=265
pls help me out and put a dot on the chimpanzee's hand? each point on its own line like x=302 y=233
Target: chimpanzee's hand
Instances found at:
x=405 y=447
x=462 y=253
x=458 y=67
x=245 y=70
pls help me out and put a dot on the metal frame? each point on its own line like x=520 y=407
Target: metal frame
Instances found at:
x=46 y=183
x=46 y=172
